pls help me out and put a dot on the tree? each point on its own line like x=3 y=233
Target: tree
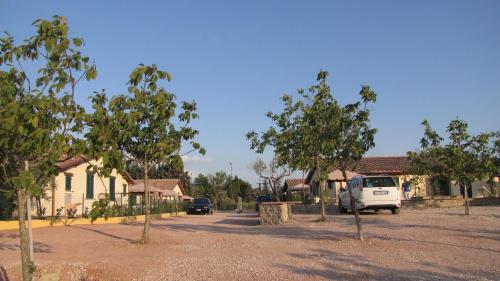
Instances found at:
x=141 y=128
x=355 y=139
x=243 y=189
x=38 y=114
x=315 y=132
x=273 y=174
x=463 y=159
x=486 y=147
x=212 y=186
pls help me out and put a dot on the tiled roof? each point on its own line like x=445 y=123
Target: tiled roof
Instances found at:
x=373 y=165
x=382 y=165
x=67 y=162
x=294 y=182
x=294 y=185
x=164 y=184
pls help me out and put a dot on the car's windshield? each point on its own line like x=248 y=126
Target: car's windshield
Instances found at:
x=201 y=201
x=378 y=182
x=264 y=198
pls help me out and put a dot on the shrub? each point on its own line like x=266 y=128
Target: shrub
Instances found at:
x=227 y=204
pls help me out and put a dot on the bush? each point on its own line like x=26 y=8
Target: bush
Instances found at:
x=296 y=197
x=227 y=204
x=308 y=200
x=249 y=205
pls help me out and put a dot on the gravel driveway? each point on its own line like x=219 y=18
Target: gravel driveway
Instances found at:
x=432 y=244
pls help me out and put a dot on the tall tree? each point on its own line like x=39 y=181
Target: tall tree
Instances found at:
x=243 y=189
x=213 y=186
x=355 y=139
x=315 y=132
x=141 y=128
x=38 y=114
x=273 y=174
x=462 y=159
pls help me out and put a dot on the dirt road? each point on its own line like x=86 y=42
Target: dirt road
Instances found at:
x=433 y=244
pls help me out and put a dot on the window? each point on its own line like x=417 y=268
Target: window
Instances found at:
x=112 y=188
x=68 y=182
x=124 y=189
x=90 y=185
x=378 y=182
x=330 y=184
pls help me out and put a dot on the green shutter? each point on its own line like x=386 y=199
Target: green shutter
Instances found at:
x=124 y=189
x=90 y=185
x=112 y=188
x=68 y=183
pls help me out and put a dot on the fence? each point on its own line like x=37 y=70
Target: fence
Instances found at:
x=70 y=204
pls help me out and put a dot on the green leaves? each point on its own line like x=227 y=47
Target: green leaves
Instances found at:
x=317 y=126
x=464 y=158
x=39 y=117
x=141 y=126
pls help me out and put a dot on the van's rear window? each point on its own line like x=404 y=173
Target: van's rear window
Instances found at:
x=378 y=182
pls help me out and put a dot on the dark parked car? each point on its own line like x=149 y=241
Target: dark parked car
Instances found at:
x=262 y=198
x=200 y=206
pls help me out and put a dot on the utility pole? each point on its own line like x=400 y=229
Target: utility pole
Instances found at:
x=231 y=183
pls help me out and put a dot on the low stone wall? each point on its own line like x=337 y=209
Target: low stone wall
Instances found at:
x=448 y=202
x=274 y=213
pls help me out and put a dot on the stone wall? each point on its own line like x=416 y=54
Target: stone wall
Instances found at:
x=448 y=201
x=274 y=213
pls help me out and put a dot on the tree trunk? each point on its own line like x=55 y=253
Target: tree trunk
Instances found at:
x=145 y=233
x=321 y=199
x=274 y=189
x=23 y=235
x=355 y=210
x=38 y=207
x=492 y=186
x=466 y=200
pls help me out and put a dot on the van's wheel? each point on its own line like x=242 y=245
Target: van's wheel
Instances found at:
x=341 y=208
x=395 y=211
x=376 y=210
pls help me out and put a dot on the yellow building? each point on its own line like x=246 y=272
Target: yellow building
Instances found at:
x=397 y=167
x=75 y=186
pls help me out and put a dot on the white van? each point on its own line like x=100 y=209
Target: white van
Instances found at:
x=372 y=193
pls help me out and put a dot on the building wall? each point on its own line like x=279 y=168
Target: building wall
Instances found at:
x=77 y=194
x=422 y=187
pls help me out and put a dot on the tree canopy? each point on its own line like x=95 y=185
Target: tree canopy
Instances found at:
x=314 y=131
x=141 y=128
x=39 y=118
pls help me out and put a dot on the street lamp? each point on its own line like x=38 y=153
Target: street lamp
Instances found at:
x=231 y=184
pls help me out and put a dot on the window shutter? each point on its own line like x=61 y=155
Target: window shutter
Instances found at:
x=90 y=185
x=112 y=188
x=68 y=183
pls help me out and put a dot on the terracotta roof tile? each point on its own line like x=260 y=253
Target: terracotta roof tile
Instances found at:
x=164 y=184
x=66 y=162
x=294 y=182
x=380 y=165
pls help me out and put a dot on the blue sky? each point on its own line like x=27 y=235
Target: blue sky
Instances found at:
x=426 y=59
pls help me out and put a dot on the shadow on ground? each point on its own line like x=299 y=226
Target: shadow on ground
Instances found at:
x=3 y=274
x=339 y=266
